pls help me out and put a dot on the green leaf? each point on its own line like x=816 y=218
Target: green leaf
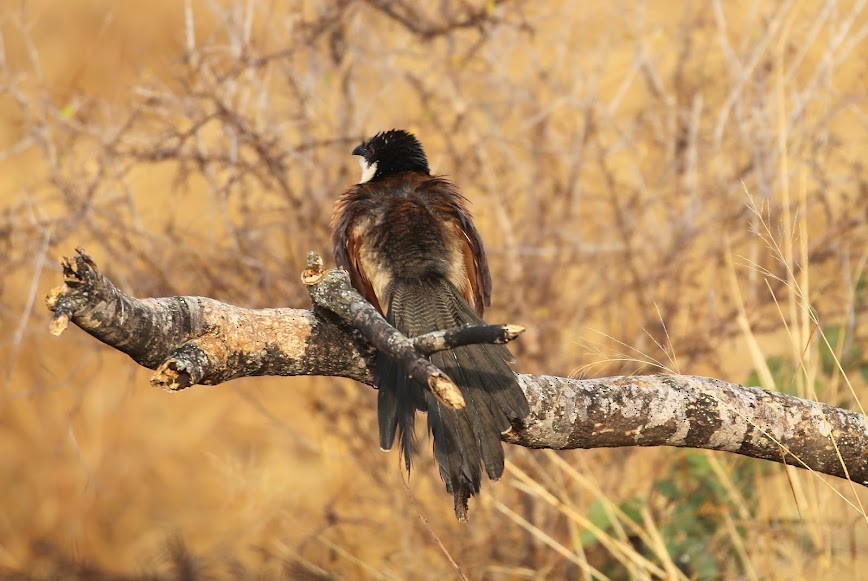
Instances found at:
x=597 y=515
x=633 y=509
x=668 y=489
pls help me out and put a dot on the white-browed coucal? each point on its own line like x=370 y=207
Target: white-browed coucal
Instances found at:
x=411 y=249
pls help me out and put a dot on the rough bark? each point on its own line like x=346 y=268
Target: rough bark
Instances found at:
x=197 y=340
x=693 y=412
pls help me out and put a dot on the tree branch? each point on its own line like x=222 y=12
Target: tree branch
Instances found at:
x=198 y=340
x=334 y=293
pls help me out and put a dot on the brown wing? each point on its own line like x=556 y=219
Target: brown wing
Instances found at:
x=477 y=287
x=347 y=233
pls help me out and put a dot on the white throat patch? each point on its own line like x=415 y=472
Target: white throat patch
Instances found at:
x=368 y=170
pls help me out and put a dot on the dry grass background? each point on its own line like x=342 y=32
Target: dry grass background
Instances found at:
x=660 y=185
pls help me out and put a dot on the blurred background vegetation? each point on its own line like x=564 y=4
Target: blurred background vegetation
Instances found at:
x=660 y=185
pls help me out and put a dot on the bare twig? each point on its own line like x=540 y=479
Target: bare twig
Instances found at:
x=470 y=335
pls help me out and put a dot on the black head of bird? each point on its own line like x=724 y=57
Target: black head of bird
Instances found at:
x=390 y=152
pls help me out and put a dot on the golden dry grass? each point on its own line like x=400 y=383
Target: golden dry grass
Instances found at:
x=660 y=186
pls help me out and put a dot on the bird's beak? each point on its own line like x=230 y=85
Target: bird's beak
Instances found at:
x=360 y=150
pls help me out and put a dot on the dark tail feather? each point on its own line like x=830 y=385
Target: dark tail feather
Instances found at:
x=466 y=439
x=399 y=396
x=397 y=401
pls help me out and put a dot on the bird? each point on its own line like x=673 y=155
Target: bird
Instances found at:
x=408 y=242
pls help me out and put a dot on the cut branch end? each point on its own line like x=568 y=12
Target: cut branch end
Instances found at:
x=171 y=376
x=59 y=324
x=446 y=391
x=512 y=331
x=314 y=272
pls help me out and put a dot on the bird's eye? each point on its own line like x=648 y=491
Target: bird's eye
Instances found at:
x=370 y=151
